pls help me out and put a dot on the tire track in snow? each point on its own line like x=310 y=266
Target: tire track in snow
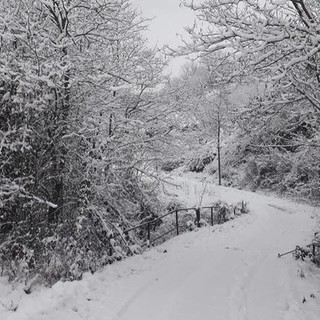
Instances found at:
x=238 y=299
x=131 y=301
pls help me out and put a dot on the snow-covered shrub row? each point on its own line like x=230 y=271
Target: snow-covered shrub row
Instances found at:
x=282 y=157
x=85 y=241
x=201 y=157
x=170 y=165
x=198 y=164
x=296 y=174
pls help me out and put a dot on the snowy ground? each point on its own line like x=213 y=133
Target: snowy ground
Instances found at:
x=227 y=272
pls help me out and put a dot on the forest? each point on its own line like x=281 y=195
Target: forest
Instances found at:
x=90 y=122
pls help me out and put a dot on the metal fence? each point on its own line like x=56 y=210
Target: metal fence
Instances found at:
x=150 y=226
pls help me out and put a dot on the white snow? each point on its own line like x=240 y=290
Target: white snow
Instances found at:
x=227 y=272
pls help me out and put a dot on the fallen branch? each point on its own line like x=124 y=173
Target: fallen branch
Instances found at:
x=291 y=251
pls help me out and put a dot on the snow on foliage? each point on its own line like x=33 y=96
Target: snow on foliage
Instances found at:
x=76 y=91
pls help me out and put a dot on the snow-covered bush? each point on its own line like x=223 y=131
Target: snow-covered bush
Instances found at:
x=224 y=212
x=288 y=164
x=316 y=248
x=190 y=225
x=200 y=156
x=16 y=261
x=250 y=175
x=310 y=252
x=170 y=165
x=198 y=163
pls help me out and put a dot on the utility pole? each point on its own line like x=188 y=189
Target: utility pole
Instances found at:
x=219 y=142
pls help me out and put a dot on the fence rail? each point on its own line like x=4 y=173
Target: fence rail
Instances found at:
x=147 y=226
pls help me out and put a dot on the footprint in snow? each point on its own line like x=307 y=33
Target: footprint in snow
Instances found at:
x=234 y=248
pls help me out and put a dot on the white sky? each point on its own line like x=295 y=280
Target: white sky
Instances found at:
x=169 y=20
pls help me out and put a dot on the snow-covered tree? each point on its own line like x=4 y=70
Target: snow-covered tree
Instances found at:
x=276 y=45
x=272 y=41
x=76 y=89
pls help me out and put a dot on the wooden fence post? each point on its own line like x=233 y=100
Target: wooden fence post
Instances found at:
x=148 y=237
x=198 y=217
x=211 y=216
x=177 y=222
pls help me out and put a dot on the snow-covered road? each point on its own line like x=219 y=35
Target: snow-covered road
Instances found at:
x=227 y=272
x=231 y=271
